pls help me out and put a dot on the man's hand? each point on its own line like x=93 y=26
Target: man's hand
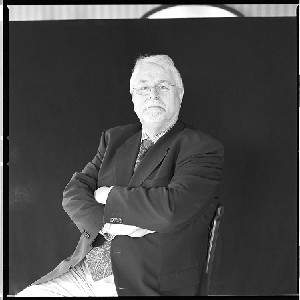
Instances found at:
x=101 y=194
x=122 y=229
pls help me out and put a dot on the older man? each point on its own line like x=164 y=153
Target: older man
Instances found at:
x=144 y=203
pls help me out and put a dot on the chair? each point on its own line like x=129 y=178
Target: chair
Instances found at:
x=213 y=234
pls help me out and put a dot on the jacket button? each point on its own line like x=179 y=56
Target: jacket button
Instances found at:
x=115 y=220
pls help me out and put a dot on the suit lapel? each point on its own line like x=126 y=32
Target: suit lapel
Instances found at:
x=154 y=155
x=125 y=159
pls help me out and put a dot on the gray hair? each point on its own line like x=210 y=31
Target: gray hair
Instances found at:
x=164 y=61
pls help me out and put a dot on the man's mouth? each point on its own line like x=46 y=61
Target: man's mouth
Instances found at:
x=154 y=106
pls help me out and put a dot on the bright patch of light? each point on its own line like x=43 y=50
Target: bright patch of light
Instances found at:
x=192 y=11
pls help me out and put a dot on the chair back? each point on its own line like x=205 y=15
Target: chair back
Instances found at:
x=213 y=234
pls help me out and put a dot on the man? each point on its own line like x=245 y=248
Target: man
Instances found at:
x=144 y=203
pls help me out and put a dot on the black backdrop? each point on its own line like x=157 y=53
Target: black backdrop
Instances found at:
x=69 y=80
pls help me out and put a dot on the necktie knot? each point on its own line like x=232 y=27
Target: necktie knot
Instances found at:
x=147 y=143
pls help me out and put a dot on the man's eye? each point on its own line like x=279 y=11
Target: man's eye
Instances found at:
x=143 y=88
x=163 y=87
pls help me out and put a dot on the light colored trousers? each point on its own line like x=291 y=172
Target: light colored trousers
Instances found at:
x=77 y=282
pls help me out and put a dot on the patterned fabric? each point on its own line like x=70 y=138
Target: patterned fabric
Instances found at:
x=144 y=147
x=98 y=261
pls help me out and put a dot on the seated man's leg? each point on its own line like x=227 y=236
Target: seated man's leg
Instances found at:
x=105 y=287
x=73 y=283
x=37 y=291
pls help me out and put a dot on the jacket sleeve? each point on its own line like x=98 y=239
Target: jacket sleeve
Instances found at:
x=78 y=196
x=170 y=207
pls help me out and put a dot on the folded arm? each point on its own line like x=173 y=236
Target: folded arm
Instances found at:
x=169 y=208
x=163 y=208
x=101 y=195
x=80 y=204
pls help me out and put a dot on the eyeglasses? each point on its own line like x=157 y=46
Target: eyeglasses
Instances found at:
x=144 y=89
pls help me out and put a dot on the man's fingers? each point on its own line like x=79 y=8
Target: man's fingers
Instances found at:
x=130 y=230
x=141 y=232
x=121 y=229
x=138 y=232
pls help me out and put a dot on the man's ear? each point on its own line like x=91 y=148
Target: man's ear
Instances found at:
x=181 y=93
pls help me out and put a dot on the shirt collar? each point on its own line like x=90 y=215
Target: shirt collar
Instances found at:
x=158 y=135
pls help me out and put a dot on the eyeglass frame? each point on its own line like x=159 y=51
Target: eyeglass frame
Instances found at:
x=151 y=87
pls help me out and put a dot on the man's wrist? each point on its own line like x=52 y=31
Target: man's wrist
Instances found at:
x=104 y=232
x=101 y=194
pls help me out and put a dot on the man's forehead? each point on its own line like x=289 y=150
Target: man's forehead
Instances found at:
x=153 y=71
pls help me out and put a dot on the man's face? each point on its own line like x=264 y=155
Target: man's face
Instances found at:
x=155 y=97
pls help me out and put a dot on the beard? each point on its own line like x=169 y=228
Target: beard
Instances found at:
x=153 y=114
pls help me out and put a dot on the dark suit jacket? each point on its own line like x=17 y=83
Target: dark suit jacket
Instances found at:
x=173 y=192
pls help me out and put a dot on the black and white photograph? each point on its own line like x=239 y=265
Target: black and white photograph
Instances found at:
x=153 y=150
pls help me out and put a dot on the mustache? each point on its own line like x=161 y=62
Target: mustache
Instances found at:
x=154 y=103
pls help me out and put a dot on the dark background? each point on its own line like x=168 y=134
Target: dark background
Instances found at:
x=69 y=80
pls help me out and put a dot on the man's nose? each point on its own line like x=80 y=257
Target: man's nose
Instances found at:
x=154 y=92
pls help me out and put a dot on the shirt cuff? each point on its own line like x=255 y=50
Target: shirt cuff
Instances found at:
x=103 y=231
x=102 y=198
